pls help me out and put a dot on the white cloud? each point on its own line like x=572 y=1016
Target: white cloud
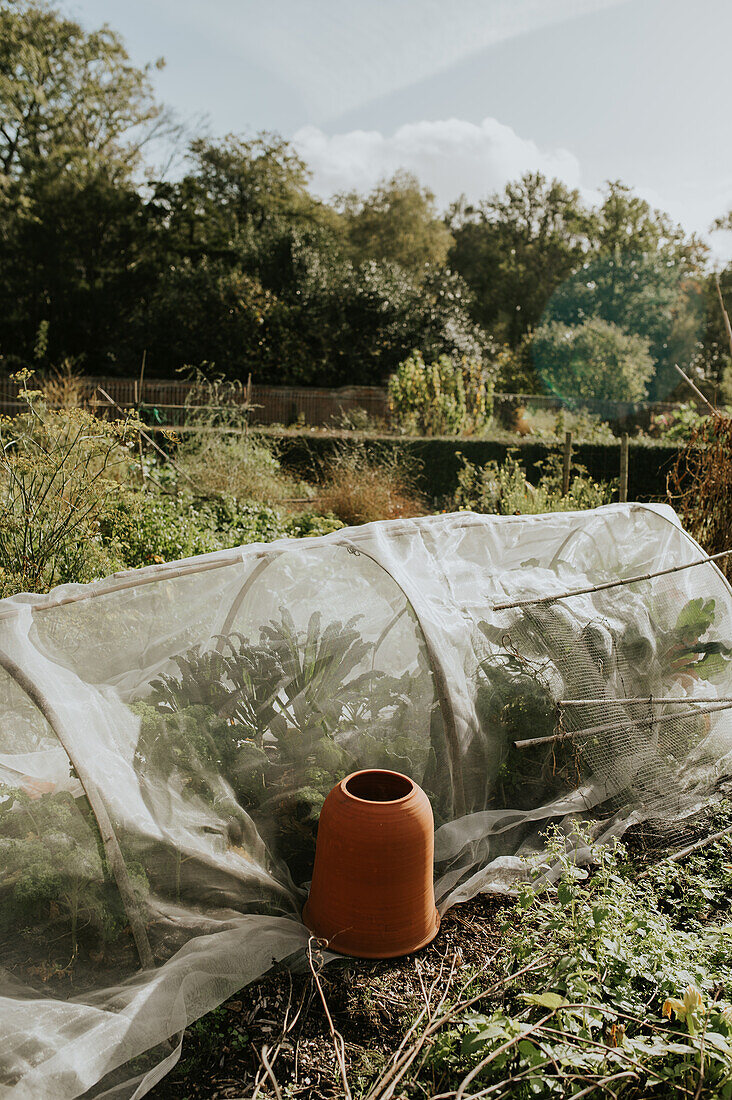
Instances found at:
x=451 y=157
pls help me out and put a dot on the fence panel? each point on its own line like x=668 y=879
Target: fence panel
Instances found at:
x=165 y=399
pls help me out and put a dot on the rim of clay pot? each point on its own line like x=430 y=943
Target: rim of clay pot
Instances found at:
x=371 y=785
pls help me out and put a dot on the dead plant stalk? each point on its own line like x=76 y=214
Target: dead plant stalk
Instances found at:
x=338 y=1042
x=380 y=1090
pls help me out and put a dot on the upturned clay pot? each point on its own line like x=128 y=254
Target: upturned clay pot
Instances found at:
x=372 y=893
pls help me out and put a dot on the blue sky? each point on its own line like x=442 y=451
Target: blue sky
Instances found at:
x=467 y=94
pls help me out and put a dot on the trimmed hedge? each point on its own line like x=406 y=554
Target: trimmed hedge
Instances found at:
x=304 y=452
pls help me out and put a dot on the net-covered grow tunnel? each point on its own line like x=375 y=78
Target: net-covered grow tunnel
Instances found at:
x=167 y=738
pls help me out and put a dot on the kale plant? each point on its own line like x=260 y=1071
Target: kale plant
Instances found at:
x=269 y=724
x=54 y=880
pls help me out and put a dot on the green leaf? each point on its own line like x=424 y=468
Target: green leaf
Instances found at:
x=711 y=665
x=565 y=893
x=530 y=1052
x=696 y=615
x=545 y=1000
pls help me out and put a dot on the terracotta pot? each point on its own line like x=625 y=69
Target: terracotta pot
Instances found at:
x=372 y=893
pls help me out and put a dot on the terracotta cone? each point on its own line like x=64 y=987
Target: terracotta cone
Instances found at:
x=372 y=893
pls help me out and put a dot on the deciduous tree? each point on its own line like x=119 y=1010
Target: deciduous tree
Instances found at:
x=396 y=223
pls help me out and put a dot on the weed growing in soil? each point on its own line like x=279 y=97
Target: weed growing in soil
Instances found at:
x=503 y=489
x=613 y=992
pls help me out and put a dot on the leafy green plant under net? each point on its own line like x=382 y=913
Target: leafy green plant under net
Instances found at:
x=550 y=656
x=54 y=880
x=282 y=718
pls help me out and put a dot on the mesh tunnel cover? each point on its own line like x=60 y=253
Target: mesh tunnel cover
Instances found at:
x=168 y=736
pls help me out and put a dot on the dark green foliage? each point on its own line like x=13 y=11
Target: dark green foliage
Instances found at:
x=398 y=223
x=77 y=255
x=148 y=527
x=515 y=247
x=439 y=461
x=698 y=889
x=535 y=255
x=341 y=323
x=505 y=489
x=222 y=315
x=237 y=262
x=605 y=981
x=513 y=702
x=593 y=359
x=518 y=690
x=643 y=275
x=280 y=719
x=652 y=299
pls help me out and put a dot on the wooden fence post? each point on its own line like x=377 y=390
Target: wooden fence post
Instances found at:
x=567 y=463
x=138 y=411
x=623 y=490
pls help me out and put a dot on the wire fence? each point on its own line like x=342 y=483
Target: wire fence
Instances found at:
x=167 y=402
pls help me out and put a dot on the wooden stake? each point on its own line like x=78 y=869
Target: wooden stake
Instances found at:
x=535 y=600
x=142 y=375
x=647 y=700
x=727 y=325
x=623 y=490
x=696 y=390
x=138 y=406
x=567 y=465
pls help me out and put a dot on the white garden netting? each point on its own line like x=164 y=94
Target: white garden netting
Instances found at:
x=168 y=736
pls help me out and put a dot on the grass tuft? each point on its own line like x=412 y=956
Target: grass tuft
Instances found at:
x=361 y=484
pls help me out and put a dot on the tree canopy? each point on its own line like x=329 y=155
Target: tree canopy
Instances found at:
x=234 y=259
x=70 y=100
x=515 y=247
x=594 y=359
x=397 y=223
x=642 y=275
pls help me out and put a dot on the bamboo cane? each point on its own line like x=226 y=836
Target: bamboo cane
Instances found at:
x=440 y=679
x=613 y=727
x=696 y=389
x=608 y=584
x=727 y=324
x=649 y=700
x=684 y=852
